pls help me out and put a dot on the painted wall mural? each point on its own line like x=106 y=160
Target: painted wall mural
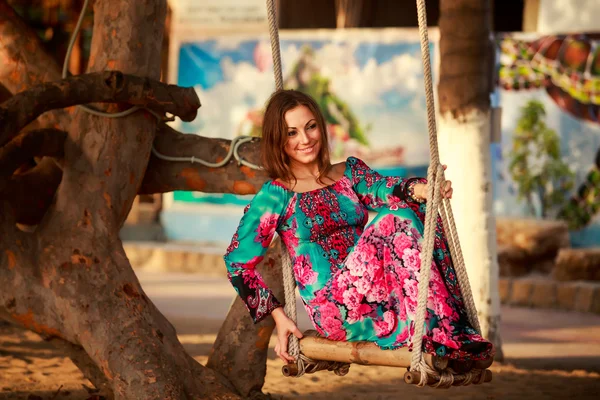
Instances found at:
x=548 y=164
x=368 y=83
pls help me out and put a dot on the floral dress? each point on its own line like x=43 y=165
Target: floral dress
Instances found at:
x=358 y=282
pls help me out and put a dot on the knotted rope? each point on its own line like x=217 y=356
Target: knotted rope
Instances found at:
x=435 y=178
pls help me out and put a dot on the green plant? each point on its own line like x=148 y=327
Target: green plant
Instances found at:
x=536 y=165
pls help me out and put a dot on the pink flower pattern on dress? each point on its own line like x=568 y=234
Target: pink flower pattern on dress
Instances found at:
x=303 y=271
x=266 y=229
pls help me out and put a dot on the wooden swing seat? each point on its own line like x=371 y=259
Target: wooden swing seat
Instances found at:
x=331 y=352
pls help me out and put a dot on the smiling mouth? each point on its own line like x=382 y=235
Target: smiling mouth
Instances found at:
x=307 y=150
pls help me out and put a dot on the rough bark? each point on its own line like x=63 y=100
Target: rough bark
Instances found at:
x=166 y=176
x=70 y=280
x=5 y=94
x=240 y=351
x=87 y=366
x=26 y=64
x=464 y=141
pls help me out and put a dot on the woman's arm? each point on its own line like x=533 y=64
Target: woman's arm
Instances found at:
x=248 y=247
x=375 y=190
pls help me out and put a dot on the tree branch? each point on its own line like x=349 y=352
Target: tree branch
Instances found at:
x=166 y=176
x=41 y=142
x=98 y=87
x=30 y=194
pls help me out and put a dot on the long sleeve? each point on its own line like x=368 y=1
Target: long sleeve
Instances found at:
x=248 y=247
x=375 y=190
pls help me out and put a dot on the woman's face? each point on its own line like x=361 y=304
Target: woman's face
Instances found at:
x=303 y=136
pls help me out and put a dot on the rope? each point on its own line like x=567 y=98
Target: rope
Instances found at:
x=274 y=36
x=435 y=177
x=305 y=364
x=235 y=143
x=289 y=288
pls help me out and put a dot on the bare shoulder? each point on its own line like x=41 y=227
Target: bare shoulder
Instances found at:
x=337 y=170
x=282 y=183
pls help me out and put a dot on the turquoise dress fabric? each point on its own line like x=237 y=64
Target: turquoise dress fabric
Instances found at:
x=357 y=281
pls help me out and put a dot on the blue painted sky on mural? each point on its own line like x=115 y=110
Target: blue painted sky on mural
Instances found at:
x=380 y=81
x=206 y=57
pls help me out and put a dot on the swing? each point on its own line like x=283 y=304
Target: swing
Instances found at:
x=314 y=353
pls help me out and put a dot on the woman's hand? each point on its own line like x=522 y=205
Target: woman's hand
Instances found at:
x=285 y=328
x=446 y=187
x=420 y=189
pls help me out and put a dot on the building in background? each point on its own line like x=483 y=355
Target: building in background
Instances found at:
x=361 y=59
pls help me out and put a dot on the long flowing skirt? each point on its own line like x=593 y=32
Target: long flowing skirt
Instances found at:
x=373 y=296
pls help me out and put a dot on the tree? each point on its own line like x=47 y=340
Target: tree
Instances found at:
x=536 y=165
x=466 y=65
x=67 y=183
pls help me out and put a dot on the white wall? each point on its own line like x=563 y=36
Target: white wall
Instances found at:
x=564 y=16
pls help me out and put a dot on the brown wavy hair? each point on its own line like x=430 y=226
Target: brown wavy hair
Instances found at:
x=275 y=134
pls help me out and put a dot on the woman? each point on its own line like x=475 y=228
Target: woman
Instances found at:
x=357 y=282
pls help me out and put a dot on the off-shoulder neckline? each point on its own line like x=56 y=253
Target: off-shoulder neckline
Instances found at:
x=344 y=176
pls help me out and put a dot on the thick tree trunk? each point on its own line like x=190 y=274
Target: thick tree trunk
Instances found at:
x=464 y=140
x=70 y=280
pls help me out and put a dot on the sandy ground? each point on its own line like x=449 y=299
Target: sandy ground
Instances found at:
x=549 y=355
